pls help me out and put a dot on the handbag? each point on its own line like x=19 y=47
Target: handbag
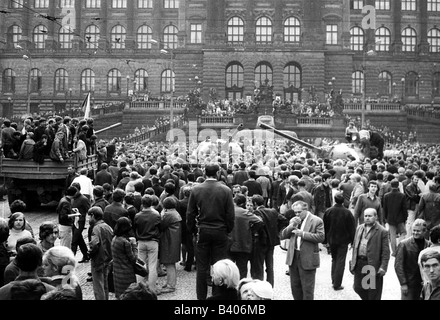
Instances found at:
x=139 y=268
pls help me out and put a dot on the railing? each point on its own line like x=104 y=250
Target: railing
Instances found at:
x=431 y=114
x=151 y=133
x=373 y=106
x=156 y=105
x=216 y=120
x=107 y=109
x=310 y=121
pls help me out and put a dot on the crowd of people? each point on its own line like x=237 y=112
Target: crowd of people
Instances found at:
x=223 y=217
x=55 y=139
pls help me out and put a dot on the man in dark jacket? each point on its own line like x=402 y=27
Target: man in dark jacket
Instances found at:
x=100 y=253
x=406 y=263
x=267 y=238
x=395 y=214
x=103 y=176
x=413 y=194
x=211 y=211
x=339 y=226
x=82 y=203
x=116 y=209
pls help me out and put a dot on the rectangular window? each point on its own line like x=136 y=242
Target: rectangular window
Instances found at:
x=67 y=3
x=16 y=4
x=171 y=4
x=382 y=4
x=357 y=4
x=409 y=5
x=119 y=4
x=331 y=34
x=196 y=33
x=38 y=4
x=434 y=5
x=93 y=4
x=145 y=4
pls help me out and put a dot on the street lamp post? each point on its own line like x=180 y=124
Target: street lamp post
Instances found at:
x=10 y=107
x=403 y=88
x=28 y=104
x=364 y=85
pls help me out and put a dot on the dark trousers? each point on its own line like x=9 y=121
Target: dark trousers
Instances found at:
x=339 y=253
x=78 y=240
x=262 y=255
x=367 y=290
x=241 y=259
x=414 y=291
x=212 y=245
x=302 y=282
x=189 y=251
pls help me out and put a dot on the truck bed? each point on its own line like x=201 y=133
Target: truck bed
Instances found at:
x=49 y=170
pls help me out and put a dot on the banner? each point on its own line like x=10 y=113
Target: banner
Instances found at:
x=86 y=106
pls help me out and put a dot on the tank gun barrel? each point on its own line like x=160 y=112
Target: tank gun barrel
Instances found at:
x=109 y=127
x=233 y=133
x=289 y=137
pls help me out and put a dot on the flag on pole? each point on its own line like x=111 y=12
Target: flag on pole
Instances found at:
x=86 y=106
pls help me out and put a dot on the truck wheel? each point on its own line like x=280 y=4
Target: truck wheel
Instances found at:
x=32 y=200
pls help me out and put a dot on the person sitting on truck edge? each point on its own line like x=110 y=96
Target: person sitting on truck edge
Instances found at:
x=57 y=151
x=40 y=149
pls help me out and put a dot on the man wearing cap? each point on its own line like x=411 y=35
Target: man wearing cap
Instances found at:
x=339 y=229
x=210 y=212
x=395 y=213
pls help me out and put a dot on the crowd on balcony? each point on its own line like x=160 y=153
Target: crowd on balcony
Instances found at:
x=159 y=124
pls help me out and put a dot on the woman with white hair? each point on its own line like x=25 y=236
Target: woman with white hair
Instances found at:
x=225 y=278
x=59 y=266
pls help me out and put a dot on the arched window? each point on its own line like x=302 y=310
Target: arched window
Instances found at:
x=357 y=39
x=170 y=37
x=263 y=74
x=292 y=30
x=436 y=84
x=234 y=81
x=263 y=30
x=87 y=80
x=292 y=82
x=411 y=84
x=144 y=36
x=14 y=35
x=385 y=84
x=434 y=40
x=167 y=81
x=8 y=81
x=235 y=30
x=65 y=37
x=92 y=35
x=61 y=80
x=141 y=80
x=114 y=81
x=40 y=36
x=118 y=35
x=383 y=39
x=409 y=40
x=357 y=82
x=36 y=81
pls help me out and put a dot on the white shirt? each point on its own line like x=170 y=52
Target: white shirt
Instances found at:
x=364 y=134
x=298 y=238
x=86 y=185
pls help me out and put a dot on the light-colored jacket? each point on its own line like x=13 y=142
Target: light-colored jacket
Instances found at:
x=313 y=235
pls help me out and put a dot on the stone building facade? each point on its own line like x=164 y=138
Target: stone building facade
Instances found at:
x=53 y=52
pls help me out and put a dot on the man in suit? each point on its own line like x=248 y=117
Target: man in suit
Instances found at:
x=305 y=232
x=211 y=211
x=371 y=254
x=339 y=229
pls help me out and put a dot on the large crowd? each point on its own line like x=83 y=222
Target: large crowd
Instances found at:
x=150 y=204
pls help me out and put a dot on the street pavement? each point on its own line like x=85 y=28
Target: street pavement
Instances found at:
x=186 y=289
